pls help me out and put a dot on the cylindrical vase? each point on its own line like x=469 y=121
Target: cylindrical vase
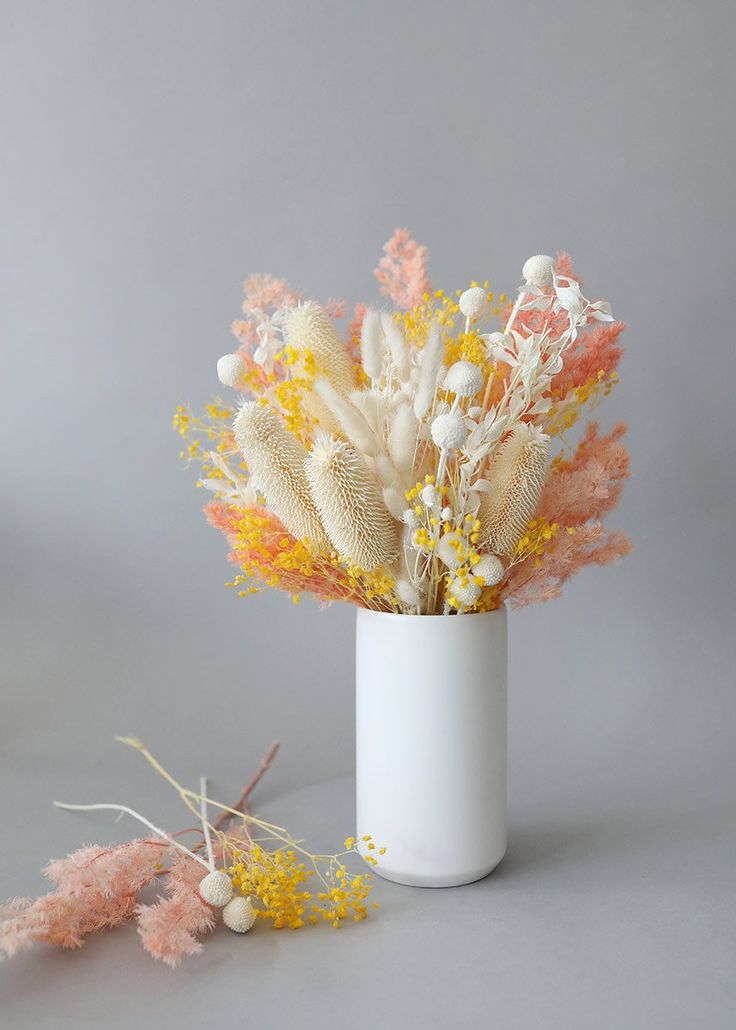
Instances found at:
x=431 y=699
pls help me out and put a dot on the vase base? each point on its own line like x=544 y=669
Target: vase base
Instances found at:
x=408 y=879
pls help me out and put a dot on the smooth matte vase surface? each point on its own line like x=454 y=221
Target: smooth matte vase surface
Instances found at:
x=431 y=744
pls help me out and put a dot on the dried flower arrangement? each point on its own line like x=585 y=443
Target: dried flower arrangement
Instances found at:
x=263 y=874
x=409 y=467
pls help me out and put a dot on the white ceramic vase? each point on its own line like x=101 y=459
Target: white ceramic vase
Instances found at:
x=431 y=744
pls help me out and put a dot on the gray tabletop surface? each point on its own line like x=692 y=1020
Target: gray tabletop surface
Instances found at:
x=155 y=154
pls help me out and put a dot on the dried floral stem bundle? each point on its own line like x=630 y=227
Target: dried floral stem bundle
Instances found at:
x=419 y=463
x=241 y=865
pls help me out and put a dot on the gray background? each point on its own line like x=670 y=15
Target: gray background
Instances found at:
x=153 y=154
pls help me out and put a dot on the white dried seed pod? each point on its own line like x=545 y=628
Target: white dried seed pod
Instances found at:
x=396 y=345
x=430 y=496
x=309 y=327
x=402 y=438
x=350 y=504
x=429 y=370
x=539 y=270
x=371 y=344
x=276 y=462
x=465 y=593
x=447 y=550
x=464 y=379
x=408 y=594
x=517 y=475
x=474 y=302
x=449 y=431
x=216 y=889
x=351 y=421
x=490 y=569
x=230 y=370
x=239 y=915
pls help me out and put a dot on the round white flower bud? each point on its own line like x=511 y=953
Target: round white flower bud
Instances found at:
x=447 y=550
x=230 y=369
x=446 y=514
x=490 y=568
x=464 y=379
x=407 y=593
x=449 y=431
x=410 y=518
x=216 y=889
x=239 y=915
x=464 y=595
x=473 y=302
x=430 y=496
x=539 y=270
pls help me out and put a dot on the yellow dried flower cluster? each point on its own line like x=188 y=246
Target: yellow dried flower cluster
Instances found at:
x=383 y=464
x=278 y=879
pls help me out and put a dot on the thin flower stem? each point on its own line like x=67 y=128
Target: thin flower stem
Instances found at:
x=141 y=819
x=205 y=824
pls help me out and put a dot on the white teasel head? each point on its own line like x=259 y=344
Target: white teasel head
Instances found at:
x=539 y=271
x=474 y=302
x=449 y=431
x=216 y=889
x=231 y=370
x=464 y=379
x=239 y=915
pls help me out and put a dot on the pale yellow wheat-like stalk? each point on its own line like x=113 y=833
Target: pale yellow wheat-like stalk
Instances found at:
x=276 y=459
x=350 y=505
x=517 y=475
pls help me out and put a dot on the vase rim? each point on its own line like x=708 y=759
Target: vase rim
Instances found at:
x=401 y=616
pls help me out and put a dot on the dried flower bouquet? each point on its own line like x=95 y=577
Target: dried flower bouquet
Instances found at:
x=421 y=464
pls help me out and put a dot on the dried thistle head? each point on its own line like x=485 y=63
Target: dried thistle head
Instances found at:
x=276 y=462
x=309 y=327
x=350 y=504
x=517 y=476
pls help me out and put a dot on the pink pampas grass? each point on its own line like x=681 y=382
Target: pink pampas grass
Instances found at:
x=402 y=271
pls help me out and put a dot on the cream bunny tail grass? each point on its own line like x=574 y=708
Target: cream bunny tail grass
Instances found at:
x=350 y=504
x=309 y=327
x=351 y=421
x=517 y=476
x=276 y=462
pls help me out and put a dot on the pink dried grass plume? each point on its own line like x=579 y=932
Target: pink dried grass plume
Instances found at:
x=266 y=557
x=97 y=889
x=265 y=291
x=589 y=484
x=402 y=271
x=531 y=583
x=170 y=928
